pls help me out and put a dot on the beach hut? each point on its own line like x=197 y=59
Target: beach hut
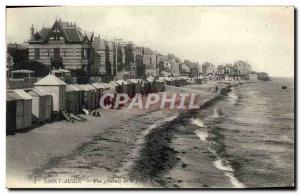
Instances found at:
x=24 y=109
x=159 y=85
x=123 y=86
x=135 y=85
x=146 y=87
x=56 y=88
x=89 y=96
x=41 y=105
x=93 y=96
x=99 y=89
x=72 y=99
x=113 y=86
x=132 y=86
x=11 y=112
x=151 y=84
x=80 y=96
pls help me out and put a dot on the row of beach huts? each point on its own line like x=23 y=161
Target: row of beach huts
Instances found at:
x=50 y=96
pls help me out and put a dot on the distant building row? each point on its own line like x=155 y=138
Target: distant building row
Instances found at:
x=66 y=46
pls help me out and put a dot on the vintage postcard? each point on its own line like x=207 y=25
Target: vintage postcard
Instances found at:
x=150 y=97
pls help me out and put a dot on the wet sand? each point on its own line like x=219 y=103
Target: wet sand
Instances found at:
x=115 y=150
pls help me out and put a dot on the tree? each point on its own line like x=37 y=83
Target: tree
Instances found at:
x=40 y=69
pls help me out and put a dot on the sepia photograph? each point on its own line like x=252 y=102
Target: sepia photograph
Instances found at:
x=150 y=97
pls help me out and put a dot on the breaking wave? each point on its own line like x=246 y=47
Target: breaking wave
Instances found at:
x=197 y=122
x=202 y=135
x=233 y=97
x=223 y=165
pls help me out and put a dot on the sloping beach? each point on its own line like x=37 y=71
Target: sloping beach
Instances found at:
x=122 y=148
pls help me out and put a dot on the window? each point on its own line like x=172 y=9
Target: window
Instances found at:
x=36 y=53
x=83 y=53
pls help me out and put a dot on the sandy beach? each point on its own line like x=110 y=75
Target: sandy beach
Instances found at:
x=122 y=148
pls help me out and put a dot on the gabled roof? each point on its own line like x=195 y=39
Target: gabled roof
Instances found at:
x=150 y=79
x=38 y=92
x=87 y=87
x=77 y=86
x=50 y=80
x=11 y=96
x=100 y=85
x=71 y=33
x=24 y=95
x=70 y=88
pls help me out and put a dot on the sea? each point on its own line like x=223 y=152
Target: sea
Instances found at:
x=251 y=133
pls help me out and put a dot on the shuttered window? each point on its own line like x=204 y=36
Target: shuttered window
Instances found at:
x=36 y=53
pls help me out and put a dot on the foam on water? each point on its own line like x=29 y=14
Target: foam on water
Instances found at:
x=286 y=139
x=233 y=97
x=202 y=135
x=216 y=113
x=197 y=122
x=168 y=119
x=223 y=165
x=234 y=181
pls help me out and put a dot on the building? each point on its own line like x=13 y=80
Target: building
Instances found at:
x=138 y=59
x=228 y=69
x=184 y=69
x=209 y=69
x=110 y=58
x=253 y=77
x=220 y=72
x=241 y=67
x=9 y=61
x=149 y=60
x=9 y=64
x=194 y=70
x=174 y=68
x=98 y=67
x=62 y=45
x=174 y=64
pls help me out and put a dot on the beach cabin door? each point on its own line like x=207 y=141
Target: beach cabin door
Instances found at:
x=19 y=115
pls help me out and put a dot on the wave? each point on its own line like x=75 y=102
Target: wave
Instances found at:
x=284 y=138
x=234 y=181
x=224 y=165
x=217 y=113
x=197 y=122
x=233 y=97
x=202 y=135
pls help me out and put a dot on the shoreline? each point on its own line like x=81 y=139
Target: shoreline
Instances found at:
x=171 y=157
x=38 y=158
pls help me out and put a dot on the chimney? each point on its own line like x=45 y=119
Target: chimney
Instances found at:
x=32 y=32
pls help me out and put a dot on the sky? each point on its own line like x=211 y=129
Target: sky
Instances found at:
x=262 y=36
